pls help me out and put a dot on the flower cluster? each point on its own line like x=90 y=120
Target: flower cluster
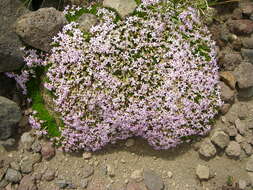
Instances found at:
x=153 y=74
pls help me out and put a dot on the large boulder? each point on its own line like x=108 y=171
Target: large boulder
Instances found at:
x=11 y=57
x=38 y=28
x=10 y=115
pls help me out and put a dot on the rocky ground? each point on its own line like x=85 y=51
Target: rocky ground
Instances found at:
x=221 y=161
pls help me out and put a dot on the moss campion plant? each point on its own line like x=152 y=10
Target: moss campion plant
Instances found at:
x=152 y=74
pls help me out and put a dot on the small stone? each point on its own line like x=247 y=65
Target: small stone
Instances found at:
x=26 y=164
x=87 y=155
x=36 y=147
x=152 y=180
x=15 y=166
x=227 y=94
x=247 y=148
x=230 y=60
x=231 y=131
x=207 y=149
x=87 y=171
x=13 y=176
x=241 y=126
x=233 y=149
x=27 y=140
x=110 y=170
x=229 y=78
x=242 y=184
x=239 y=138
x=130 y=142
x=49 y=175
x=225 y=108
x=169 y=174
x=241 y=26
x=84 y=183
x=220 y=139
x=27 y=183
x=243 y=74
x=250 y=174
x=248 y=43
x=3 y=183
x=137 y=175
x=123 y=7
x=246 y=7
x=202 y=172
x=247 y=54
x=47 y=151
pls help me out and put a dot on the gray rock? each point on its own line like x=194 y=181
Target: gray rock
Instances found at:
x=248 y=42
x=8 y=143
x=88 y=171
x=207 y=149
x=11 y=57
x=246 y=147
x=239 y=138
x=15 y=165
x=241 y=126
x=231 y=131
x=238 y=110
x=243 y=74
x=36 y=146
x=3 y=183
x=27 y=183
x=245 y=92
x=227 y=94
x=49 y=175
x=230 y=60
x=123 y=7
x=13 y=176
x=38 y=28
x=152 y=180
x=233 y=149
x=10 y=115
x=27 y=140
x=27 y=163
x=220 y=139
x=241 y=26
x=249 y=164
x=202 y=172
x=86 y=21
x=247 y=54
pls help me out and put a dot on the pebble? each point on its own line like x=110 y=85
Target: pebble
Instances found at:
x=13 y=176
x=241 y=126
x=137 y=175
x=249 y=164
x=202 y=172
x=152 y=180
x=220 y=139
x=207 y=149
x=87 y=155
x=110 y=170
x=169 y=174
x=233 y=149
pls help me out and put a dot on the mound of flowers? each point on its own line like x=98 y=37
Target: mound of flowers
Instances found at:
x=152 y=74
